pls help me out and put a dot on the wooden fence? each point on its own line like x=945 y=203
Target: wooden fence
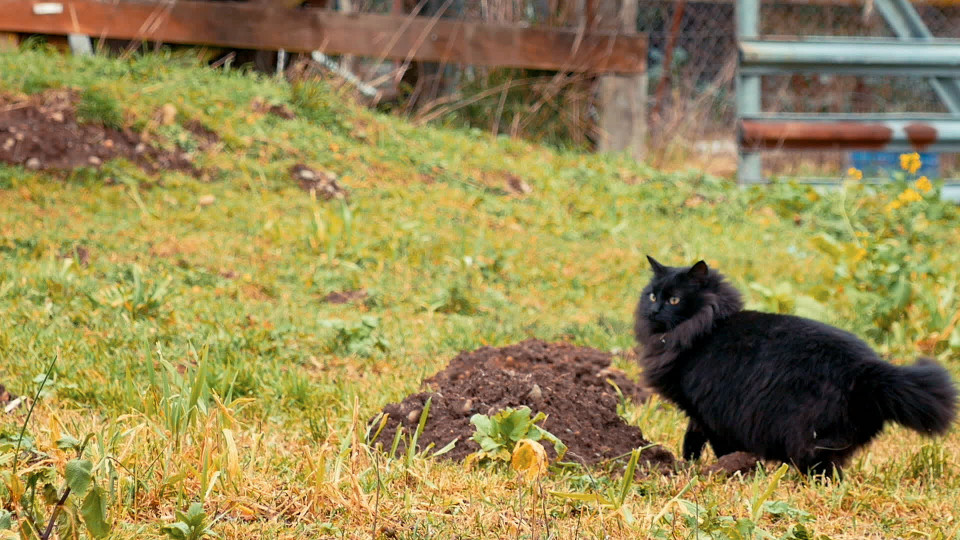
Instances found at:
x=598 y=44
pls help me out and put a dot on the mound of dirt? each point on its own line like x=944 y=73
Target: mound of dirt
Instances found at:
x=41 y=132
x=737 y=462
x=567 y=383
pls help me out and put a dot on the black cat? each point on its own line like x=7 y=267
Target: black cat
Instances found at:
x=781 y=387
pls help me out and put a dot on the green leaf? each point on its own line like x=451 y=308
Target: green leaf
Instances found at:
x=594 y=498
x=489 y=445
x=450 y=446
x=516 y=424
x=771 y=487
x=558 y=446
x=79 y=473
x=783 y=508
x=94 y=512
x=177 y=531
x=68 y=442
x=483 y=424
x=6 y=519
x=195 y=515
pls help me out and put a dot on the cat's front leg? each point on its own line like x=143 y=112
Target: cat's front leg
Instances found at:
x=694 y=441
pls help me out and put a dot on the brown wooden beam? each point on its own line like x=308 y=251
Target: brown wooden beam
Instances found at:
x=253 y=26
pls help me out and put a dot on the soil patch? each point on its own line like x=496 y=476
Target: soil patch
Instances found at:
x=737 y=462
x=205 y=136
x=281 y=111
x=345 y=297
x=5 y=396
x=324 y=184
x=41 y=132
x=567 y=383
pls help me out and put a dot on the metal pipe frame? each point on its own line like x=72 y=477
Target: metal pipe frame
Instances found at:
x=749 y=164
x=794 y=132
x=861 y=56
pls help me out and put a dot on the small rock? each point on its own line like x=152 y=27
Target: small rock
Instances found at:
x=108 y=143
x=57 y=116
x=535 y=394
x=413 y=416
x=8 y=144
x=206 y=200
x=140 y=148
x=518 y=186
x=307 y=174
x=94 y=160
x=168 y=114
x=83 y=255
x=467 y=406
x=33 y=163
x=19 y=136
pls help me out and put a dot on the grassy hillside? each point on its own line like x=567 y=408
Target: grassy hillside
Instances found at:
x=186 y=324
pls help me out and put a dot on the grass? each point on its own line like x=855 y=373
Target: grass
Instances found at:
x=196 y=351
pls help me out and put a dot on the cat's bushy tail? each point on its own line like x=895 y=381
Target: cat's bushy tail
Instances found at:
x=921 y=397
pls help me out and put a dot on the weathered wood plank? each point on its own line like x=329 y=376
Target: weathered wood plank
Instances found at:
x=257 y=26
x=622 y=97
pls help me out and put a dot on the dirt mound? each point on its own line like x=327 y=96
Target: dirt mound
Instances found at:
x=567 y=383
x=41 y=132
x=737 y=462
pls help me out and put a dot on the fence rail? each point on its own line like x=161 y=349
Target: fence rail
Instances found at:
x=258 y=26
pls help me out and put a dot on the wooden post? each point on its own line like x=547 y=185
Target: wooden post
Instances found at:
x=622 y=99
x=9 y=41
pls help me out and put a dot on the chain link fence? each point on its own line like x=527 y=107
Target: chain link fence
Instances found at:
x=697 y=108
x=691 y=72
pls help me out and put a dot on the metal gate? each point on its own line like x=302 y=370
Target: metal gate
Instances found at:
x=914 y=52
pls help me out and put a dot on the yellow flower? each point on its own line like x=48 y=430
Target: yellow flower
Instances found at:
x=909 y=195
x=910 y=162
x=924 y=185
x=855 y=173
x=891 y=206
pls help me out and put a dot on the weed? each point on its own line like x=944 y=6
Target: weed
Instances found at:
x=190 y=525
x=498 y=435
x=361 y=337
x=137 y=295
x=97 y=107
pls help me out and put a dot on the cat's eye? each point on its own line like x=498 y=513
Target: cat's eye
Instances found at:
x=674 y=300
x=653 y=297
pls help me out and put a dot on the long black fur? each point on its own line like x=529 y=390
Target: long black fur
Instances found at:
x=778 y=386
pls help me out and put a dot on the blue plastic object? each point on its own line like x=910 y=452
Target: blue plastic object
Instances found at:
x=887 y=163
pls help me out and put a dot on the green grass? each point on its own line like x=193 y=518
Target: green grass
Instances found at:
x=196 y=349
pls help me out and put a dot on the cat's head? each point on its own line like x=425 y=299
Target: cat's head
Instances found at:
x=673 y=295
x=696 y=295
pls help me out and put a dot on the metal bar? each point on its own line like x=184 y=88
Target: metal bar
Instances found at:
x=80 y=44
x=903 y=19
x=907 y=117
x=749 y=164
x=905 y=22
x=774 y=132
x=861 y=56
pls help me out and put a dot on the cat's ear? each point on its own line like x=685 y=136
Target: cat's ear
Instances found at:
x=658 y=269
x=699 y=271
